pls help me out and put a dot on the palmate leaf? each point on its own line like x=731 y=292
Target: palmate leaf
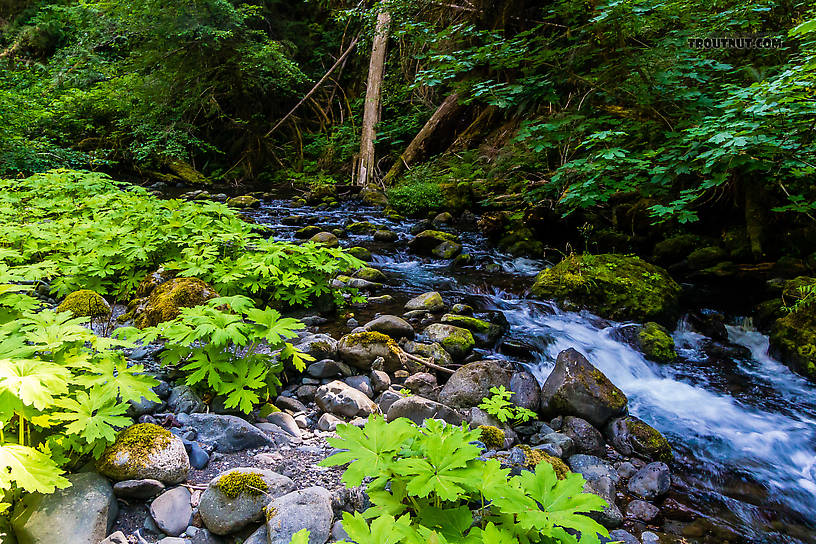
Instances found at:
x=383 y=530
x=29 y=469
x=370 y=449
x=272 y=327
x=249 y=377
x=36 y=383
x=93 y=416
x=111 y=374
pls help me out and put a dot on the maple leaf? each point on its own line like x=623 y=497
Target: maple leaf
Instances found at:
x=29 y=469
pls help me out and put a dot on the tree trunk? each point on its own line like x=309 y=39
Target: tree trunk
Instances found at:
x=450 y=107
x=371 y=111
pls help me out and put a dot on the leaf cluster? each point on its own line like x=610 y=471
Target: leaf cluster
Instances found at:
x=499 y=406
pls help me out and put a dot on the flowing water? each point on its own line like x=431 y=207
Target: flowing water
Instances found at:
x=743 y=429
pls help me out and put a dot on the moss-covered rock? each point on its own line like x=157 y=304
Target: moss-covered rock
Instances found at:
x=429 y=302
x=793 y=336
x=435 y=243
x=325 y=239
x=706 y=257
x=361 y=227
x=535 y=456
x=145 y=451
x=656 y=344
x=386 y=236
x=85 y=303
x=307 y=231
x=484 y=332
x=360 y=252
x=361 y=349
x=630 y=435
x=457 y=341
x=244 y=201
x=492 y=437
x=164 y=302
x=370 y=274
x=615 y=286
x=675 y=248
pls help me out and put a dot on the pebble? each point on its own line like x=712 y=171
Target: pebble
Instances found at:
x=172 y=511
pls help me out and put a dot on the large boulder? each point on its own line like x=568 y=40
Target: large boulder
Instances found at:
x=630 y=435
x=526 y=391
x=429 y=302
x=361 y=349
x=575 y=387
x=393 y=326
x=585 y=438
x=226 y=434
x=85 y=303
x=656 y=344
x=457 y=341
x=485 y=333
x=614 y=286
x=326 y=239
x=309 y=508
x=793 y=336
x=81 y=514
x=435 y=350
x=237 y=497
x=472 y=382
x=165 y=300
x=435 y=243
x=418 y=409
x=145 y=451
x=342 y=399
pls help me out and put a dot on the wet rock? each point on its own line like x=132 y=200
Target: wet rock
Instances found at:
x=429 y=302
x=592 y=468
x=457 y=341
x=361 y=227
x=319 y=346
x=630 y=435
x=433 y=351
x=651 y=481
x=362 y=384
x=485 y=333
x=361 y=349
x=656 y=344
x=422 y=384
x=328 y=368
x=145 y=451
x=137 y=489
x=309 y=508
x=577 y=388
x=386 y=236
x=326 y=239
x=307 y=232
x=625 y=469
x=341 y=399
x=526 y=391
x=793 y=336
x=434 y=243
x=81 y=514
x=418 y=409
x=641 y=510
x=461 y=309
x=244 y=201
x=361 y=253
x=615 y=286
x=184 y=400
x=586 y=438
x=673 y=509
x=370 y=274
x=306 y=393
x=171 y=511
x=198 y=457
x=471 y=383
x=226 y=434
x=561 y=440
x=393 y=326
x=610 y=517
x=236 y=498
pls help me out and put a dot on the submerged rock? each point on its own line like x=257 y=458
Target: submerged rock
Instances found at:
x=575 y=387
x=145 y=451
x=614 y=286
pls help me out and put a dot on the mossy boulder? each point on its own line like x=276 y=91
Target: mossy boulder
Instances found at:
x=793 y=336
x=435 y=243
x=386 y=236
x=145 y=451
x=326 y=239
x=360 y=252
x=576 y=388
x=164 y=302
x=244 y=201
x=533 y=457
x=457 y=341
x=85 y=303
x=429 y=302
x=706 y=257
x=656 y=344
x=614 y=286
x=492 y=437
x=361 y=349
x=370 y=274
x=630 y=435
x=361 y=227
x=440 y=356
x=675 y=248
x=236 y=498
x=307 y=231
x=484 y=332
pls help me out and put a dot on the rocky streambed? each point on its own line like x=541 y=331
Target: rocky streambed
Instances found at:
x=692 y=434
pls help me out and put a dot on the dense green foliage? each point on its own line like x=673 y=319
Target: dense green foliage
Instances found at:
x=498 y=405
x=430 y=485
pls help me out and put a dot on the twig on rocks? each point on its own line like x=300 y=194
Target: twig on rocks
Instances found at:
x=429 y=363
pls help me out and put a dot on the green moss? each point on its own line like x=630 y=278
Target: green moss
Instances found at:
x=360 y=252
x=470 y=323
x=138 y=442
x=534 y=457
x=793 y=336
x=307 y=232
x=370 y=274
x=372 y=337
x=493 y=437
x=648 y=441
x=245 y=201
x=164 y=302
x=361 y=227
x=676 y=248
x=237 y=483
x=656 y=343
x=615 y=286
x=705 y=257
x=85 y=303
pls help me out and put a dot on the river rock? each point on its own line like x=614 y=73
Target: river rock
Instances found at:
x=630 y=435
x=642 y=510
x=434 y=243
x=526 y=391
x=610 y=517
x=184 y=400
x=166 y=300
x=418 y=409
x=575 y=387
x=116 y=538
x=236 y=498
x=171 y=511
x=623 y=536
x=309 y=508
x=422 y=384
x=485 y=333
x=328 y=422
x=361 y=349
x=561 y=440
x=592 y=468
x=326 y=239
x=457 y=341
x=371 y=274
x=319 y=346
x=380 y=381
x=328 y=368
x=393 y=326
x=81 y=514
x=137 y=489
x=793 y=336
x=386 y=236
x=285 y=422
x=291 y=404
x=243 y=201
x=586 y=438
x=428 y=302
x=278 y=434
x=341 y=399
x=471 y=383
x=145 y=451
x=656 y=343
x=362 y=384
x=227 y=434
x=651 y=481
x=433 y=350
x=388 y=398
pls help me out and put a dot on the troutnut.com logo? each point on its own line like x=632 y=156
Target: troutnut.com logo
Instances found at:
x=728 y=42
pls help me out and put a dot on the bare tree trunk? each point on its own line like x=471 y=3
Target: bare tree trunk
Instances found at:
x=371 y=111
x=417 y=148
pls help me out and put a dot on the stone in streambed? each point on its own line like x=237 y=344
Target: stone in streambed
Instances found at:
x=485 y=333
x=341 y=399
x=418 y=409
x=227 y=434
x=526 y=391
x=361 y=349
x=651 y=481
x=309 y=508
x=434 y=243
x=586 y=438
x=630 y=435
x=145 y=451
x=137 y=489
x=457 y=341
x=172 y=511
x=393 y=326
x=656 y=344
x=244 y=201
x=469 y=385
x=429 y=302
